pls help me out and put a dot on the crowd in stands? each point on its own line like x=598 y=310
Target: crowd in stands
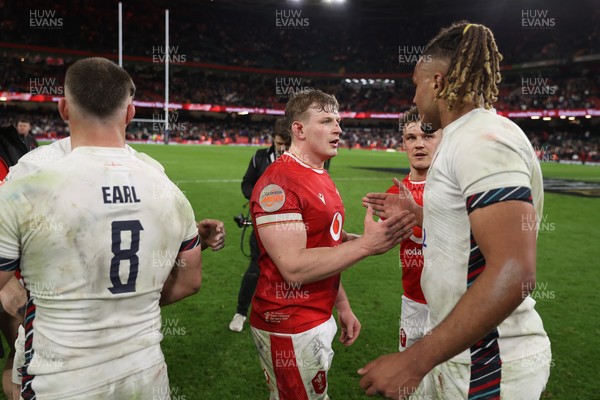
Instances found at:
x=576 y=88
x=576 y=145
x=207 y=40
x=565 y=142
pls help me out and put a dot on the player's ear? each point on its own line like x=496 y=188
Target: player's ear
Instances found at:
x=63 y=109
x=438 y=82
x=130 y=113
x=298 y=130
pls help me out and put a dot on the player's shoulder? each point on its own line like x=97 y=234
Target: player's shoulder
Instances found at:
x=145 y=158
x=40 y=157
x=486 y=123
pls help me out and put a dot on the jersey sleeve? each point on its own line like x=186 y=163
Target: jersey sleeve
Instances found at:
x=275 y=201
x=10 y=243
x=191 y=238
x=501 y=172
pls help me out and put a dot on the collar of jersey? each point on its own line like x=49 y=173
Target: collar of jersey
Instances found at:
x=454 y=125
x=96 y=150
x=305 y=165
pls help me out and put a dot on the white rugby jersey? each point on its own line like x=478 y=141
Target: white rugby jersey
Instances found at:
x=45 y=155
x=96 y=234
x=482 y=158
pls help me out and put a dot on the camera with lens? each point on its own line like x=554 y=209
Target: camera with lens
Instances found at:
x=241 y=220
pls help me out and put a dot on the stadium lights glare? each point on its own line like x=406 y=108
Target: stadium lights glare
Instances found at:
x=563 y=117
x=547 y=119
x=588 y=116
x=571 y=118
x=3 y=99
x=243 y=113
x=535 y=117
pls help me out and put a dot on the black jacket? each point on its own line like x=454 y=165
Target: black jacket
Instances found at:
x=11 y=148
x=259 y=163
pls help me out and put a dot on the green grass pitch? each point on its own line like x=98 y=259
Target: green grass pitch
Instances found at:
x=207 y=361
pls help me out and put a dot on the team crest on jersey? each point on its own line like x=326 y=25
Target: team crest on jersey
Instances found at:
x=271 y=198
x=336 y=226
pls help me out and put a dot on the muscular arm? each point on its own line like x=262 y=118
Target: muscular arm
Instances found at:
x=185 y=278
x=286 y=245
x=509 y=249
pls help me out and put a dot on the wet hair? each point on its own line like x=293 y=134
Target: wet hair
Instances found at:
x=99 y=86
x=474 y=72
x=298 y=105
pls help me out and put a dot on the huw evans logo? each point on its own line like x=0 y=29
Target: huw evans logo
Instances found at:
x=285 y=87
x=160 y=55
x=537 y=19
x=44 y=19
x=537 y=87
x=410 y=55
x=291 y=19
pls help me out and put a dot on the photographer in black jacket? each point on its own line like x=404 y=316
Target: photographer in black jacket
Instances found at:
x=260 y=161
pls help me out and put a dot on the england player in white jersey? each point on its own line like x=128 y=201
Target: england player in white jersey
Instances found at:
x=96 y=235
x=212 y=234
x=486 y=341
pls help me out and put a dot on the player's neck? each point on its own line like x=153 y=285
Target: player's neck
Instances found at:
x=416 y=175
x=306 y=158
x=97 y=135
x=447 y=117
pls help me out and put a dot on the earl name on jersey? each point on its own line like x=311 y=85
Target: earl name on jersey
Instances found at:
x=119 y=194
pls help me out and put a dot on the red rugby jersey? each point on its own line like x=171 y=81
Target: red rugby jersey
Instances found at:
x=290 y=190
x=411 y=249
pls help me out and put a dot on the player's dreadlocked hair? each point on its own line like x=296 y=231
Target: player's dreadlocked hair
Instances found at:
x=474 y=71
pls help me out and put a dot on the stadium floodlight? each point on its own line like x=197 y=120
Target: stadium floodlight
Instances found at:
x=535 y=117
x=588 y=116
x=563 y=117
x=547 y=119
x=571 y=118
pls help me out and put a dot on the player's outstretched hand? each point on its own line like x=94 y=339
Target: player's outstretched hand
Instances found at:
x=212 y=234
x=381 y=236
x=388 y=204
x=350 y=327
x=393 y=376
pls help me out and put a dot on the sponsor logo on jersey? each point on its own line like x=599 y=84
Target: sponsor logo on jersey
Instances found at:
x=319 y=382
x=336 y=226
x=271 y=198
